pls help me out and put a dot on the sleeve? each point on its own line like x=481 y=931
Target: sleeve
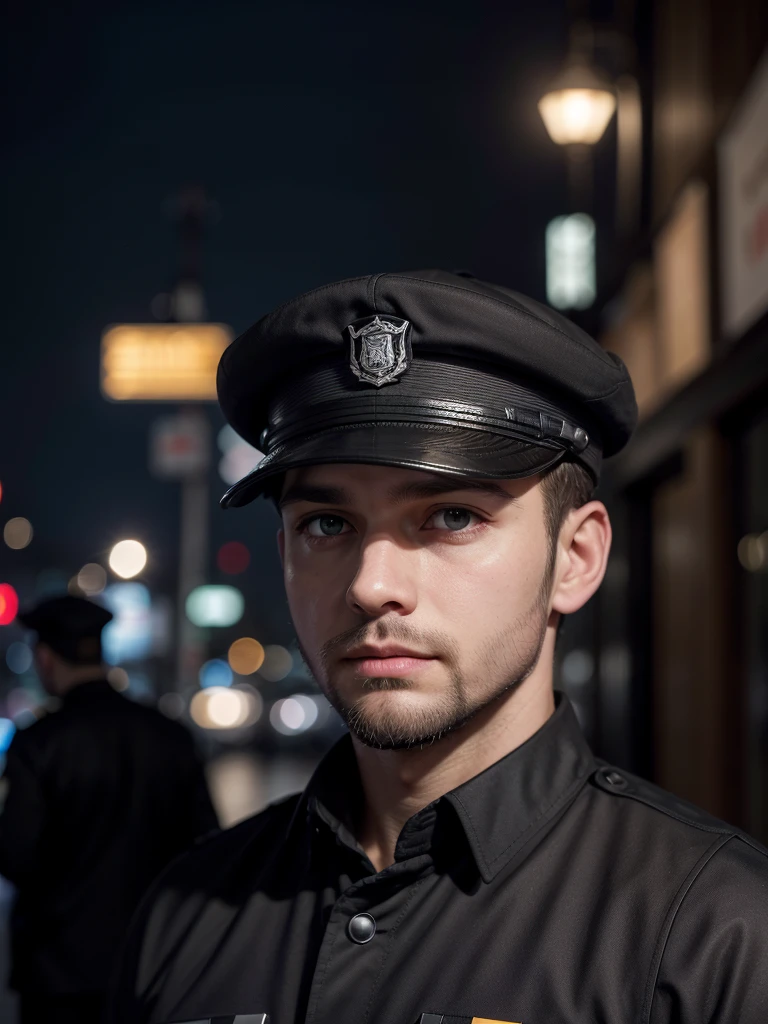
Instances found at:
x=23 y=816
x=714 y=967
x=124 y=1002
x=140 y=986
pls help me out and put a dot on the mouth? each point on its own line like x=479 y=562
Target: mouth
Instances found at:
x=387 y=661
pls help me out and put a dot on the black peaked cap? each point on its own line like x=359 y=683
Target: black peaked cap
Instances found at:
x=65 y=622
x=530 y=384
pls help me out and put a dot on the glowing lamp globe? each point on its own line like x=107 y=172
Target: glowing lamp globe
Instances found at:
x=577 y=106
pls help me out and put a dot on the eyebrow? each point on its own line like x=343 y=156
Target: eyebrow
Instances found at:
x=414 y=491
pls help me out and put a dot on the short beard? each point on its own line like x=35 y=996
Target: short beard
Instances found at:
x=385 y=732
x=509 y=656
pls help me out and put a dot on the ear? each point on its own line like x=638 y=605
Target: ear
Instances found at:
x=582 y=555
x=281 y=545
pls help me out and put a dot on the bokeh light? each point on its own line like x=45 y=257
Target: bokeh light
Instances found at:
x=246 y=656
x=118 y=679
x=239 y=457
x=7 y=729
x=92 y=578
x=215 y=673
x=129 y=636
x=223 y=708
x=171 y=705
x=233 y=557
x=17 y=533
x=278 y=663
x=127 y=558
x=294 y=714
x=19 y=658
x=9 y=604
x=21 y=706
x=215 y=606
x=753 y=551
x=577 y=668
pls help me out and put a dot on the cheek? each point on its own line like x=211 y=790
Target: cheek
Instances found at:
x=489 y=581
x=315 y=586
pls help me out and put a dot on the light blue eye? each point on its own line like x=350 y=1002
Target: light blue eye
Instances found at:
x=325 y=526
x=456 y=518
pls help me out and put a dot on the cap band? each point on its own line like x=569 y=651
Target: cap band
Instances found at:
x=326 y=399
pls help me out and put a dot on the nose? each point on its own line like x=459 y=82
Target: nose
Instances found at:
x=384 y=582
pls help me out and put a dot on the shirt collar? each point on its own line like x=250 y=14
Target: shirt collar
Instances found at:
x=88 y=690
x=500 y=810
x=510 y=803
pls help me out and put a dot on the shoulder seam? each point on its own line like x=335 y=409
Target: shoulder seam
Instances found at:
x=718 y=828
x=669 y=920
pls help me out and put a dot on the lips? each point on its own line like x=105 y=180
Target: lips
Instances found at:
x=385 y=651
x=389 y=660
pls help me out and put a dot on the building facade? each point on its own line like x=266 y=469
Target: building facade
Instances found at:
x=669 y=665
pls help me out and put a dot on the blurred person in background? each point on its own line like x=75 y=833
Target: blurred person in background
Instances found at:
x=432 y=444
x=102 y=794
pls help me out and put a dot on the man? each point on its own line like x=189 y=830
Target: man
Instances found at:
x=432 y=442
x=102 y=794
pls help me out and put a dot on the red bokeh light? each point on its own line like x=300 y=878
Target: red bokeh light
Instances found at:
x=9 y=604
x=233 y=557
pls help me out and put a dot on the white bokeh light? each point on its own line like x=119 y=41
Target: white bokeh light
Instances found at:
x=127 y=558
x=294 y=714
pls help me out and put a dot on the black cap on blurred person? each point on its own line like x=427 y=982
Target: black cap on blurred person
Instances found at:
x=70 y=626
x=424 y=370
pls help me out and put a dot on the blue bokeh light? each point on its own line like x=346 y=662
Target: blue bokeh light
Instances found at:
x=18 y=657
x=7 y=729
x=215 y=673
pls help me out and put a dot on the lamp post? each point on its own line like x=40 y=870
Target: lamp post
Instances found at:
x=176 y=362
x=577 y=108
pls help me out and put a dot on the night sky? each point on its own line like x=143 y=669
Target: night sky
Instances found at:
x=336 y=138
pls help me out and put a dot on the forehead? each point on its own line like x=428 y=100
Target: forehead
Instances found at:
x=352 y=482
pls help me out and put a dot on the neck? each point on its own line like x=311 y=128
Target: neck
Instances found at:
x=399 y=783
x=76 y=676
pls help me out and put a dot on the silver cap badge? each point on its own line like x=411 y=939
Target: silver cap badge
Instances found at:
x=379 y=349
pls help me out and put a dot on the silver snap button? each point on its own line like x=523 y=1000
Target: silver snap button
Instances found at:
x=361 y=928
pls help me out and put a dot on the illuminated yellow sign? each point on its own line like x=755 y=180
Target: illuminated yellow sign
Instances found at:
x=162 y=362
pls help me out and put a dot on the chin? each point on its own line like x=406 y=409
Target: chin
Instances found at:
x=392 y=720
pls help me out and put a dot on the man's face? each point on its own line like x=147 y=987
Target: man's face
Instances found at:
x=417 y=599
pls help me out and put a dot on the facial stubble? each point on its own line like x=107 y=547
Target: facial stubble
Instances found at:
x=506 y=658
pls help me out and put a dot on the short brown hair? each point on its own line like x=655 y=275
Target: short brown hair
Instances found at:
x=566 y=486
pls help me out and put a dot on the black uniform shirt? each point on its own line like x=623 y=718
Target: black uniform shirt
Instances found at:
x=102 y=795
x=547 y=890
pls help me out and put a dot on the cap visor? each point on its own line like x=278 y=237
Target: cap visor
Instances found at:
x=454 y=451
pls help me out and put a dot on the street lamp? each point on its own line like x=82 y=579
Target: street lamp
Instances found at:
x=578 y=105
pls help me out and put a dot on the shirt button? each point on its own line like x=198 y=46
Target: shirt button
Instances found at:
x=361 y=928
x=615 y=779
